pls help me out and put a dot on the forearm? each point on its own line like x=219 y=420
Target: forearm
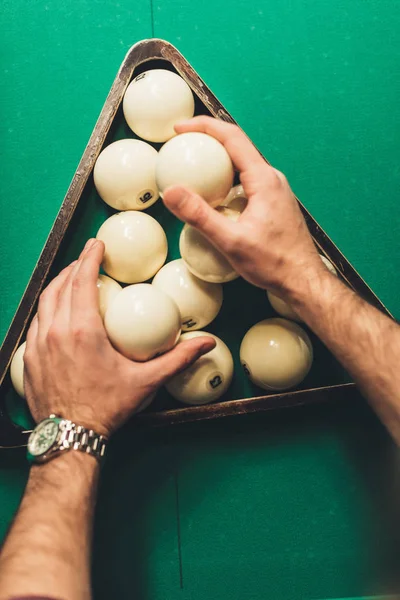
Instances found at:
x=47 y=550
x=363 y=339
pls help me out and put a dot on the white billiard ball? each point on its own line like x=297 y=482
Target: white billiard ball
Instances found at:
x=108 y=289
x=135 y=246
x=202 y=258
x=197 y=161
x=283 y=308
x=329 y=265
x=199 y=302
x=276 y=354
x=154 y=102
x=17 y=370
x=208 y=378
x=125 y=175
x=142 y=322
x=236 y=199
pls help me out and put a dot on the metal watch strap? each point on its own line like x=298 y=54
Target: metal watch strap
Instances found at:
x=85 y=440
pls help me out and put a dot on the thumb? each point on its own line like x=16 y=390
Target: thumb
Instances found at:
x=195 y=211
x=161 y=369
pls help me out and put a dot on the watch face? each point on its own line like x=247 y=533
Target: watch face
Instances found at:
x=43 y=437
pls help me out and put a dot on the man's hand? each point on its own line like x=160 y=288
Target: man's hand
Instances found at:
x=269 y=245
x=71 y=368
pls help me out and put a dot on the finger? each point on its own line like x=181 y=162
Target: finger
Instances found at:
x=49 y=298
x=161 y=369
x=31 y=336
x=63 y=308
x=31 y=350
x=243 y=153
x=85 y=294
x=193 y=209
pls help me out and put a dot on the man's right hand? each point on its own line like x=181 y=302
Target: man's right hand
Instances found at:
x=270 y=244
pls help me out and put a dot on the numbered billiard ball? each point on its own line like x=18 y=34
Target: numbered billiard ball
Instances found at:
x=108 y=289
x=124 y=175
x=135 y=246
x=142 y=322
x=197 y=161
x=154 y=102
x=276 y=354
x=202 y=258
x=17 y=370
x=283 y=308
x=199 y=302
x=208 y=378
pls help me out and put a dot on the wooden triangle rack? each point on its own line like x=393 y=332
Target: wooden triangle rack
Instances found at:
x=155 y=50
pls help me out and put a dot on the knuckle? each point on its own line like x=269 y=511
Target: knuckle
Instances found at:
x=54 y=334
x=28 y=356
x=76 y=283
x=273 y=179
x=44 y=297
x=281 y=176
x=80 y=331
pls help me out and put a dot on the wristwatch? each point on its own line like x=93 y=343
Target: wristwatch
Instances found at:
x=54 y=436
